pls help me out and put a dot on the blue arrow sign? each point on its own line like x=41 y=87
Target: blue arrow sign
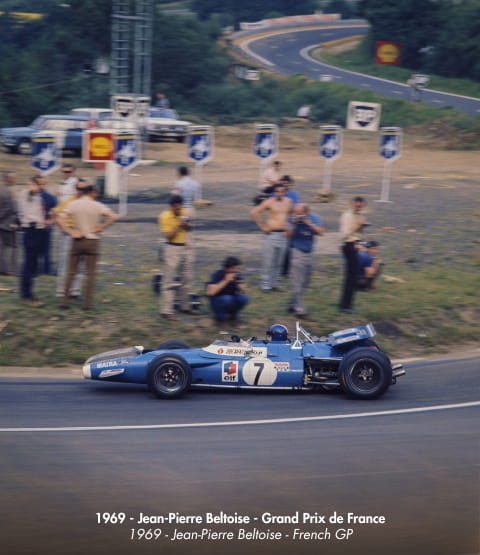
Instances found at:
x=330 y=142
x=126 y=152
x=390 y=143
x=44 y=153
x=200 y=144
x=266 y=139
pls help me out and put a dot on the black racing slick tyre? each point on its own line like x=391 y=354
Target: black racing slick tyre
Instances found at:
x=365 y=373
x=169 y=376
x=172 y=345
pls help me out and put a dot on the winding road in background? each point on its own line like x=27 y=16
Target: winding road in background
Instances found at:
x=285 y=51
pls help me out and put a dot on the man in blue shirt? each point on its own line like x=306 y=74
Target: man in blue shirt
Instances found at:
x=368 y=266
x=227 y=291
x=302 y=230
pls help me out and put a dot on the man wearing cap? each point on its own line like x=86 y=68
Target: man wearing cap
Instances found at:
x=175 y=225
x=369 y=266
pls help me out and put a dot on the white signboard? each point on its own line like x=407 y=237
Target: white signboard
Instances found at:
x=130 y=106
x=363 y=115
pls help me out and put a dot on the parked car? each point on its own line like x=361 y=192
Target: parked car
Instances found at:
x=163 y=123
x=119 y=124
x=68 y=128
x=93 y=113
x=348 y=360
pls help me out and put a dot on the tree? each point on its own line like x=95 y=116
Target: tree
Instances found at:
x=456 y=52
x=251 y=10
x=185 y=56
x=412 y=23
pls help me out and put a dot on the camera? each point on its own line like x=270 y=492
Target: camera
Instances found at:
x=299 y=218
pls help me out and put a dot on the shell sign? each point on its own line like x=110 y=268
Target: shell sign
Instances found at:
x=387 y=53
x=98 y=145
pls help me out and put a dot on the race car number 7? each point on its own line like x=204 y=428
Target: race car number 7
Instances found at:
x=259 y=371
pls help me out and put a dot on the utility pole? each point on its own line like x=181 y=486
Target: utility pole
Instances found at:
x=131 y=50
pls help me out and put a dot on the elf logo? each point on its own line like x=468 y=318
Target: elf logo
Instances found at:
x=230 y=371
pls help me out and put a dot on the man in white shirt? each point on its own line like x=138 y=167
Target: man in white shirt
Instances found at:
x=33 y=221
x=352 y=222
x=67 y=186
x=188 y=189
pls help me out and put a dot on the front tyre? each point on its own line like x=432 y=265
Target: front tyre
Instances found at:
x=169 y=376
x=365 y=373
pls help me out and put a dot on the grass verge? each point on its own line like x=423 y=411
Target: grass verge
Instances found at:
x=426 y=311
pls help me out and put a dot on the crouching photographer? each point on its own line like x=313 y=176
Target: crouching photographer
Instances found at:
x=227 y=291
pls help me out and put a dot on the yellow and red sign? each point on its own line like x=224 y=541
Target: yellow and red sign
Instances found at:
x=387 y=53
x=99 y=146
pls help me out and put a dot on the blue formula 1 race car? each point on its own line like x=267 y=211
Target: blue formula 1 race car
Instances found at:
x=349 y=360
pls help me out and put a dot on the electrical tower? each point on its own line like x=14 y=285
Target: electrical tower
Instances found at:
x=131 y=56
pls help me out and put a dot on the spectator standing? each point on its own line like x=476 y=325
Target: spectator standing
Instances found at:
x=65 y=246
x=288 y=182
x=369 y=266
x=270 y=177
x=33 y=222
x=352 y=222
x=188 y=188
x=67 y=185
x=303 y=229
x=162 y=101
x=304 y=112
x=49 y=202
x=84 y=220
x=271 y=216
x=175 y=225
x=8 y=225
x=227 y=291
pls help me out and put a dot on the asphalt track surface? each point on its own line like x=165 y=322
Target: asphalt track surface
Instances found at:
x=73 y=448
x=286 y=52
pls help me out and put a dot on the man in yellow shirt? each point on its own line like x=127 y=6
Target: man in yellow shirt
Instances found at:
x=178 y=257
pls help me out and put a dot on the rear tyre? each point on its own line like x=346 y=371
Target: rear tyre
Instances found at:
x=169 y=376
x=365 y=373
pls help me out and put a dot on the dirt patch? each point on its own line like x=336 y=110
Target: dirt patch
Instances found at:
x=442 y=135
x=432 y=219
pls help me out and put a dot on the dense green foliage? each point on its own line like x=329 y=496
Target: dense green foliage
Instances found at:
x=43 y=62
x=437 y=36
x=232 y=11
